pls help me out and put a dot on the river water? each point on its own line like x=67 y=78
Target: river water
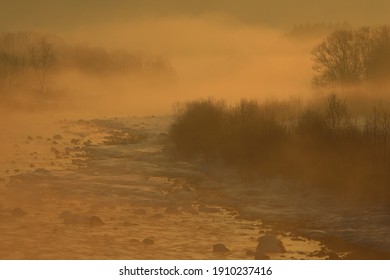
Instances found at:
x=56 y=173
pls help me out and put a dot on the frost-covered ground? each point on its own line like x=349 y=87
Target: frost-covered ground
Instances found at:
x=110 y=188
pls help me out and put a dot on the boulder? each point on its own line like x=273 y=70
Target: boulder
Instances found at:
x=270 y=244
x=261 y=256
x=95 y=221
x=148 y=241
x=220 y=248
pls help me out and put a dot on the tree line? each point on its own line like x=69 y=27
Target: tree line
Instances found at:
x=29 y=60
x=352 y=56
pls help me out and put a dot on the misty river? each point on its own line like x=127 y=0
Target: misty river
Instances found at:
x=111 y=188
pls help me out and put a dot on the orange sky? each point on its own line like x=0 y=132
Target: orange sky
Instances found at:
x=64 y=14
x=218 y=48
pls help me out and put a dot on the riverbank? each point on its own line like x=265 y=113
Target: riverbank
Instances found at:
x=108 y=188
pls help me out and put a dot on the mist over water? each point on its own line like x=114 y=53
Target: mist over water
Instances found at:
x=210 y=56
x=90 y=135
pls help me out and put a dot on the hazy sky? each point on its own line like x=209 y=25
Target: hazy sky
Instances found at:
x=222 y=48
x=57 y=15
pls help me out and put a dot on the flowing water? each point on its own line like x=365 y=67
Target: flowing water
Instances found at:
x=111 y=188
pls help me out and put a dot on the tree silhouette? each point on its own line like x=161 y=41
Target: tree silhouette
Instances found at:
x=10 y=68
x=351 y=56
x=378 y=63
x=42 y=60
x=342 y=57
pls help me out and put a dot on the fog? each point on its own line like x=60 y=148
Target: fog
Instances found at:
x=122 y=119
x=216 y=49
x=210 y=56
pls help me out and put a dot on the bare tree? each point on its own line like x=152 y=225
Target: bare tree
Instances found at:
x=42 y=60
x=342 y=57
x=336 y=115
x=378 y=64
x=12 y=64
x=11 y=67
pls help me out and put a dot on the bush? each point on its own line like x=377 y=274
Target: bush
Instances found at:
x=197 y=127
x=322 y=146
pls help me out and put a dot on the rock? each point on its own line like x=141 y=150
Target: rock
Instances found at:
x=321 y=253
x=220 y=248
x=66 y=214
x=76 y=219
x=261 y=256
x=249 y=253
x=55 y=151
x=95 y=221
x=270 y=244
x=57 y=137
x=17 y=212
x=148 y=241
